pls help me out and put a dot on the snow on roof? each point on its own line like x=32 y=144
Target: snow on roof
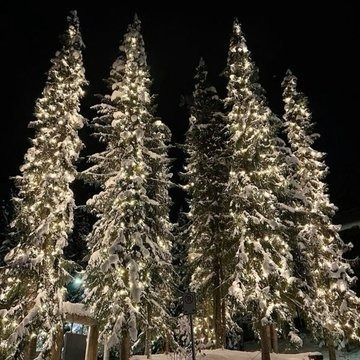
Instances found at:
x=75 y=309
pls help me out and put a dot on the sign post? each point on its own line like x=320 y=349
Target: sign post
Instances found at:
x=189 y=308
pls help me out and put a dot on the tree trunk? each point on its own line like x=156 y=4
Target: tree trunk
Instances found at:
x=217 y=306
x=223 y=321
x=148 y=333
x=167 y=343
x=125 y=336
x=274 y=339
x=223 y=305
x=331 y=349
x=125 y=346
x=217 y=312
x=30 y=349
x=265 y=343
x=92 y=343
x=106 y=350
x=268 y=334
x=58 y=342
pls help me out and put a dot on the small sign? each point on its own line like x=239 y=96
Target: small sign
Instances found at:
x=74 y=346
x=189 y=303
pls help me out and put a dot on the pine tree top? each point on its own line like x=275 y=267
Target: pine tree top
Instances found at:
x=73 y=35
x=238 y=34
x=200 y=73
x=133 y=43
x=298 y=123
x=204 y=95
x=296 y=103
x=241 y=70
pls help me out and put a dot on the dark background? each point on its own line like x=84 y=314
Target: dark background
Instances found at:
x=319 y=44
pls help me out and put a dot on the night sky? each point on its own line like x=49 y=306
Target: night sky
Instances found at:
x=319 y=45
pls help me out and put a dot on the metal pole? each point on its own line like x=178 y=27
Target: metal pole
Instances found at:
x=192 y=338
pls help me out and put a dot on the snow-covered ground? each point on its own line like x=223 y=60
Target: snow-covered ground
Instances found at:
x=244 y=355
x=342 y=355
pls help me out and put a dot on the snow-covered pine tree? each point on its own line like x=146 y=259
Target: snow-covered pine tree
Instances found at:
x=262 y=274
x=32 y=289
x=180 y=259
x=6 y=241
x=182 y=276
x=128 y=271
x=158 y=324
x=333 y=309
x=207 y=176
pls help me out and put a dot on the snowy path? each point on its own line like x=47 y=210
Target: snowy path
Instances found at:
x=228 y=355
x=244 y=355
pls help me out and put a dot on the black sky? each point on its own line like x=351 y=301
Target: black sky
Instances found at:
x=319 y=45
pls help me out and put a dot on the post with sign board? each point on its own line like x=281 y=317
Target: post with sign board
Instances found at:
x=189 y=308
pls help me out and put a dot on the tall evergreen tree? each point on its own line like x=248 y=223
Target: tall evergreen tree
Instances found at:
x=158 y=324
x=207 y=175
x=182 y=277
x=35 y=273
x=262 y=275
x=130 y=242
x=332 y=308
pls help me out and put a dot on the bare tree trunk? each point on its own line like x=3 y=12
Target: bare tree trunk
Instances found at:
x=223 y=293
x=125 y=346
x=92 y=343
x=218 y=306
x=223 y=305
x=58 y=342
x=106 y=350
x=167 y=343
x=223 y=321
x=274 y=339
x=265 y=343
x=148 y=333
x=331 y=349
x=268 y=334
x=30 y=349
x=125 y=336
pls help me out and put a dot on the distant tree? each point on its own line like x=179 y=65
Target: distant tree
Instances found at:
x=36 y=272
x=130 y=241
x=262 y=278
x=206 y=176
x=331 y=307
x=180 y=251
x=76 y=250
